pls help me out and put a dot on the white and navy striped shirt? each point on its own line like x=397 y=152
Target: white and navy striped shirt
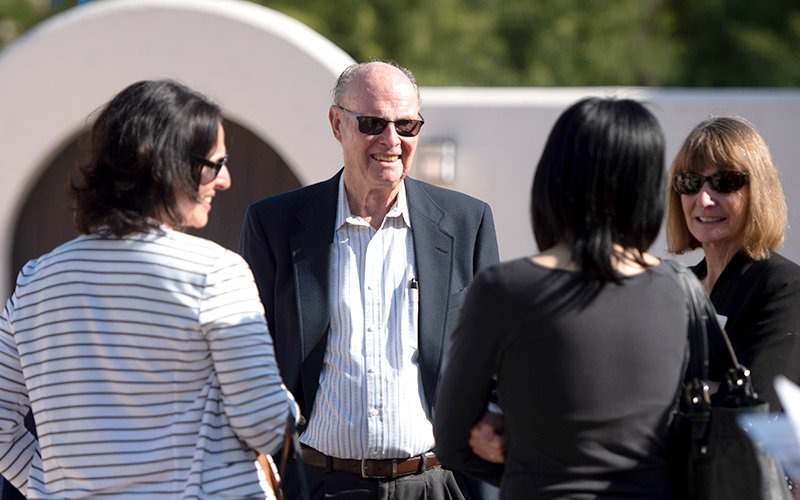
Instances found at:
x=370 y=401
x=149 y=369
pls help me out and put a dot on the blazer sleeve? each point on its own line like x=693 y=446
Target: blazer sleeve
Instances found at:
x=486 y=252
x=762 y=302
x=774 y=342
x=254 y=246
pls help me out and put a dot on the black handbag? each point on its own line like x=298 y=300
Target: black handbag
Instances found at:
x=711 y=456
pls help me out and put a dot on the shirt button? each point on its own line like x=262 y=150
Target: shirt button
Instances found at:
x=373 y=412
x=370 y=329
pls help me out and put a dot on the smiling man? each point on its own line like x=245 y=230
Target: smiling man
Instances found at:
x=362 y=277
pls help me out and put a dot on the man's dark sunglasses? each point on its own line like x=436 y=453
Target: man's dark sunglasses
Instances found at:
x=724 y=181
x=373 y=125
x=210 y=168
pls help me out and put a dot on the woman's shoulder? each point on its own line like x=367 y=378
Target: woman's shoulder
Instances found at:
x=191 y=242
x=779 y=272
x=164 y=247
x=779 y=264
x=523 y=283
x=203 y=250
x=775 y=269
x=764 y=278
x=505 y=280
x=666 y=275
x=514 y=272
x=66 y=250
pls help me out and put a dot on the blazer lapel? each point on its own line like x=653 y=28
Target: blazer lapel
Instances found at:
x=433 y=253
x=311 y=249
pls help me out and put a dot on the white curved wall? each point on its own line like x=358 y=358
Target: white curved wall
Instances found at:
x=273 y=75
x=500 y=134
x=269 y=73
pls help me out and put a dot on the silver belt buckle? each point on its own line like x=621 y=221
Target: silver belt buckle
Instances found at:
x=365 y=474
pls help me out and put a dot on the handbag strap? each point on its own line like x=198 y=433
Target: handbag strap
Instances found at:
x=291 y=446
x=704 y=324
x=695 y=389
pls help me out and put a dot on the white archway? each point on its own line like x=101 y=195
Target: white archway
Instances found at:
x=269 y=73
x=272 y=75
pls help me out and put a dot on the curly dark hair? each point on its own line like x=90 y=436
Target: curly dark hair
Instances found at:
x=141 y=149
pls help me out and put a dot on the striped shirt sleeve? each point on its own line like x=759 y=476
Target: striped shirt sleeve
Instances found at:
x=19 y=444
x=231 y=317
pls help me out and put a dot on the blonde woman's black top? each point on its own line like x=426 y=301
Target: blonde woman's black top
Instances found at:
x=760 y=301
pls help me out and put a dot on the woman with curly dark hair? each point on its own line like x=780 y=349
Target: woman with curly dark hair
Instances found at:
x=142 y=351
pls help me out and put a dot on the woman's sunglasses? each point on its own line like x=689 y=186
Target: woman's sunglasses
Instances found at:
x=210 y=169
x=724 y=181
x=373 y=125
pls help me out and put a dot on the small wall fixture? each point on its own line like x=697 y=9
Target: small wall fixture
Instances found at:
x=435 y=160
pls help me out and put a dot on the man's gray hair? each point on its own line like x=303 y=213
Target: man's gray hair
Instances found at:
x=350 y=72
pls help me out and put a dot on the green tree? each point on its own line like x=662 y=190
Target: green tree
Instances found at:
x=444 y=42
x=503 y=42
x=587 y=42
x=545 y=42
x=17 y=16
x=737 y=43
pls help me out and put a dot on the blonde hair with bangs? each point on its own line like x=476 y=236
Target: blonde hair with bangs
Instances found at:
x=731 y=143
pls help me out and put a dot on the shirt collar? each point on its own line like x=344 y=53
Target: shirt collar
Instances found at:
x=343 y=215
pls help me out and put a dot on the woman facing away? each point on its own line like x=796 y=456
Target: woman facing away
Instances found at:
x=726 y=198
x=142 y=351
x=587 y=338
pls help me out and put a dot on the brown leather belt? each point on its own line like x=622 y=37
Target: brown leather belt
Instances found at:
x=375 y=469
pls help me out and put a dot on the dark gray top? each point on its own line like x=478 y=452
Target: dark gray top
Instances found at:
x=587 y=377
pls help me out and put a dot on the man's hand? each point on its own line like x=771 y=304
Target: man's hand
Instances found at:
x=487 y=438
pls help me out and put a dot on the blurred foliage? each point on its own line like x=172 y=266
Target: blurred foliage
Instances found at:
x=545 y=42
x=568 y=42
x=17 y=16
x=738 y=42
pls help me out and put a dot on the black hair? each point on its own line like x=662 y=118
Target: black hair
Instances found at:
x=600 y=182
x=141 y=149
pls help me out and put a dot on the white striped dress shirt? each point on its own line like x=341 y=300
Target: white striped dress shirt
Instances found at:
x=149 y=368
x=370 y=401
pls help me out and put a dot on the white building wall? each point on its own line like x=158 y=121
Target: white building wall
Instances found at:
x=269 y=72
x=500 y=134
x=273 y=75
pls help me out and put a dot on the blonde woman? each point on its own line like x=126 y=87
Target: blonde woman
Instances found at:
x=142 y=351
x=726 y=199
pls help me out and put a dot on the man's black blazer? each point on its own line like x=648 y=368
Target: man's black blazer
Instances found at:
x=287 y=240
